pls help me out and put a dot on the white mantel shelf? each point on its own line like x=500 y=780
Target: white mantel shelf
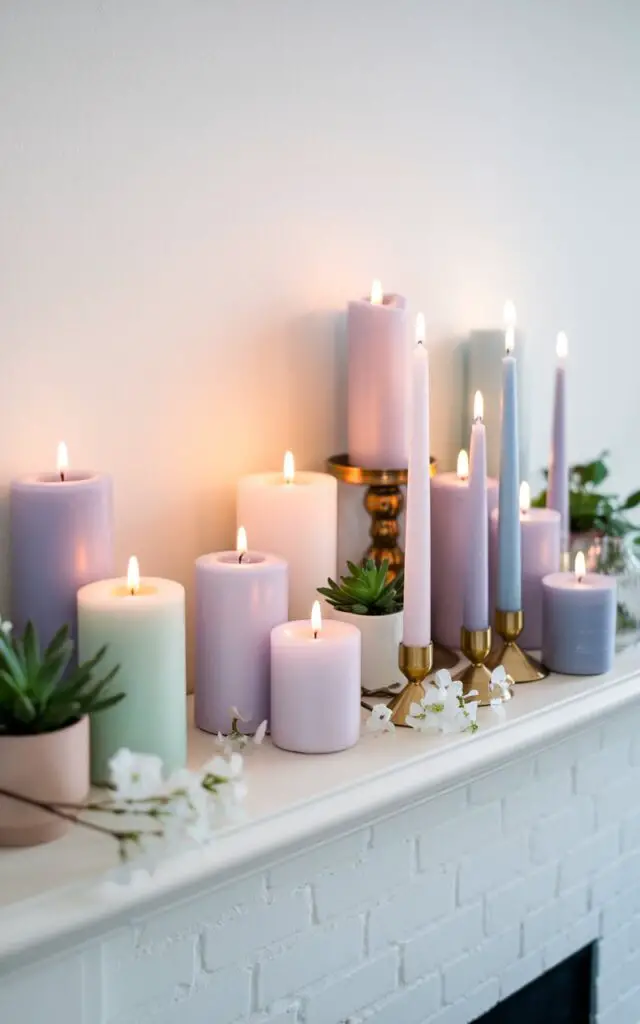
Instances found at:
x=55 y=896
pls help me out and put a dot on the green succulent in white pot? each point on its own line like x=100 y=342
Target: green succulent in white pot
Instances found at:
x=366 y=598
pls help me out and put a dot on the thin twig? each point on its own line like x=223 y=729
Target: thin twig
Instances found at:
x=52 y=809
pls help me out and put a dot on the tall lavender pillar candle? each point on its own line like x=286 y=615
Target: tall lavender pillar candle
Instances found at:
x=558 y=484
x=540 y=545
x=61 y=539
x=240 y=596
x=476 y=569
x=449 y=492
x=377 y=381
x=578 y=621
x=416 y=627
x=508 y=590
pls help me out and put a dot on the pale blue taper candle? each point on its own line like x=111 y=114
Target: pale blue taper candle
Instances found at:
x=509 y=594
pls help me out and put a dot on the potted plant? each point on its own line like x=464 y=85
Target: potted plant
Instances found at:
x=44 y=732
x=366 y=599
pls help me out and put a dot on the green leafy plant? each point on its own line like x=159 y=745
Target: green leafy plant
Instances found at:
x=590 y=509
x=366 y=590
x=35 y=695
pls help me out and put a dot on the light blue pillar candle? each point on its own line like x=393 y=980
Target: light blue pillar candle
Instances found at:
x=578 y=623
x=508 y=592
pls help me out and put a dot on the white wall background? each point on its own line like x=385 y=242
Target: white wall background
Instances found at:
x=190 y=190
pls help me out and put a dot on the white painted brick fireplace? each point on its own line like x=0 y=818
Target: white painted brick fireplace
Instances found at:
x=438 y=878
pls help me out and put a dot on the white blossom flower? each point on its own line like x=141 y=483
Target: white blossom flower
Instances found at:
x=380 y=719
x=6 y=626
x=135 y=776
x=260 y=733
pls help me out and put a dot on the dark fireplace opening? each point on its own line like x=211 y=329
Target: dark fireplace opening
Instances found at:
x=563 y=995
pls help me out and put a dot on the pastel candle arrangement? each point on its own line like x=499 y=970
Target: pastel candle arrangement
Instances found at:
x=508 y=590
x=417 y=577
x=293 y=515
x=476 y=598
x=540 y=546
x=449 y=493
x=377 y=381
x=315 y=685
x=579 y=621
x=142 y=622
x=61 y=538
x=558 y=483
x=240 y=596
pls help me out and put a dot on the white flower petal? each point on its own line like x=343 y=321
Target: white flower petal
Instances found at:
x=260 y=733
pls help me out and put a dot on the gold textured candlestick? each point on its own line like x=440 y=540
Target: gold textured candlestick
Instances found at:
x=520 y=666
x=476 y=645
x=415 y=663
x=384 y=502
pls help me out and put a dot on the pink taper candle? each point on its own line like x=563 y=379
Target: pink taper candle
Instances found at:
x=476 y=595
x=417 y=572
x=377 y=381
x=558 y=483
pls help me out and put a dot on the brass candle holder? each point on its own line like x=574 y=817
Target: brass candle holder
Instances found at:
x=476 y=645
x=384 y=502
x=415 y=663
x=517 y=663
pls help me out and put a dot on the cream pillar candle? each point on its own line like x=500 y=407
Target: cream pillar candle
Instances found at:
x=295 y=516
x=240 y=596
x=315 y=685
x=142 y=623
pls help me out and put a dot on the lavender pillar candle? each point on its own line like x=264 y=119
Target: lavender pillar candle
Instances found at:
x=476 y=568
x=578 y=621
x=315 y=685
x=378 y=360
x=240 y=597
x=558 y=485
x=61 y=539
x=449 y=493
x=540 y=546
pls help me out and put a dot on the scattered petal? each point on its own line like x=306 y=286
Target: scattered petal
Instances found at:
x=260 y=733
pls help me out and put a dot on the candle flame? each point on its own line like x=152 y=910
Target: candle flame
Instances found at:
x=289 y=468
x=420 y=329
x=509 y=315
x=133 y=575
x=241 y=541
x=62 y=459
x=562 y=345
x=462 y=469
x=316 y=618
x=478 y=406
x=580 y=567
x=525 y=496
x=377 y=295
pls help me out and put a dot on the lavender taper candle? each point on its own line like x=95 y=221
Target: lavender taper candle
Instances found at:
x=558 y=483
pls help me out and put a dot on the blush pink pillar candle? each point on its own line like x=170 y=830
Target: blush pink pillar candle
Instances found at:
x=475 y=609
x=237 y=605
x=377 y=381
x=315 y=685
x=449 y=494
x=416 y=629
x=540 y=547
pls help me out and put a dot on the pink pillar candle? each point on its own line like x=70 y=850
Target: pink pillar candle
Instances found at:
x=540 y=546
x=315 y=685
x=377 y=381
x=237 y=605
x=449 y=495
x=475 y=614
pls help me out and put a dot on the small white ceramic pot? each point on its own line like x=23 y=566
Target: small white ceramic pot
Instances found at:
x=381 y=635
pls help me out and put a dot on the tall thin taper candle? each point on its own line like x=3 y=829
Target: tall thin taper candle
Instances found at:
x=476 y=593
x=509 y=589
x=558 y=485
x=417 y=573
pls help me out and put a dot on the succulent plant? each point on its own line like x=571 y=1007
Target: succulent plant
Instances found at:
x=366 y=590
x=36 y=695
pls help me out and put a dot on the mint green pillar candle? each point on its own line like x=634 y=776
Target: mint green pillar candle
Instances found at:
x=143 y=624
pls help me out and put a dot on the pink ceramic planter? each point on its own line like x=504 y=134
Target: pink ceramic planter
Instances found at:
x=52 y=767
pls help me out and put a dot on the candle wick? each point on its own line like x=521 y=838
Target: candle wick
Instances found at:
x=62 y=475
x=240 y=557
x=315 y=634
x=133 y=591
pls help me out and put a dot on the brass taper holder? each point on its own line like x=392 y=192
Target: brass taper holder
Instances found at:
x=475 y=644
x=415 y=663
x=517 y=663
